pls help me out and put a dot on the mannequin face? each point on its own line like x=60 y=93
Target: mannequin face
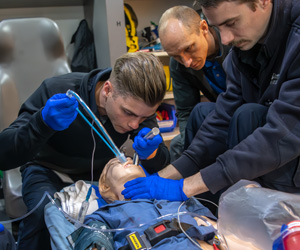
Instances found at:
x=115 y=175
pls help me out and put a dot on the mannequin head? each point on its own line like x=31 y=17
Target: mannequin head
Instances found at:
x=115 y=175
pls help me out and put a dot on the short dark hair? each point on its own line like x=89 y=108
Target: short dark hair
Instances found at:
x=215 y=3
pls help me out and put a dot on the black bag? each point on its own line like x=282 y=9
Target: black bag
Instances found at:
x=84 y=55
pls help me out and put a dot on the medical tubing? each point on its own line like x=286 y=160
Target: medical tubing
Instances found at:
x=71 y=93
x=93 y=154
x=152 y=222
x=85 y=204
x=83 y=210
x=97 y=132
x=220 y=236
x=119 y=155
x=30 y=212
x=178 y=219
x=76 y=222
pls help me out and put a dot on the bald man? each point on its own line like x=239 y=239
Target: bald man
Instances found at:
x=196 y=64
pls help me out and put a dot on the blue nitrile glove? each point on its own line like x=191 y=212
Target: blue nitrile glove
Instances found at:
x=60 y=111
x=145 y=147
x=154 y=187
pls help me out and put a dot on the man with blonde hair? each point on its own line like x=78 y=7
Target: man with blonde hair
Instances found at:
x=49 y=140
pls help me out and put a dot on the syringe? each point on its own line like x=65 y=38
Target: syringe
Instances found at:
x=153 y=132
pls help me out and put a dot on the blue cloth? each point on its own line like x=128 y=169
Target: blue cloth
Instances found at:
x=7 y=241
x=100 y=200
x=32 y=230
x=59 y=228
x=215 y=76
x=131 y=214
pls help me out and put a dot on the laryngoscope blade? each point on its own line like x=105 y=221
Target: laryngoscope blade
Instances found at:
x=153 y=132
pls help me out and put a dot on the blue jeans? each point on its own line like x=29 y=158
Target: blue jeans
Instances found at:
x=59 y=227
x=245 y=120
x=7 y=241
x=33 y=233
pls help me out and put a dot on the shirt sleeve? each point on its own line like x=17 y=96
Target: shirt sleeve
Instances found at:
x=27 y=134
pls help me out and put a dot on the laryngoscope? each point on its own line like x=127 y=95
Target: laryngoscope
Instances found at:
x=109 y=142
x=153 y=132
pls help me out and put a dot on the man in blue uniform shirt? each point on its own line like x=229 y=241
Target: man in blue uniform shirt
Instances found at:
x=196 y=57
x=253 y=131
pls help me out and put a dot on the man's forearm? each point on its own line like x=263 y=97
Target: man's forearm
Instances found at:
x=170 y=172
x=194 y=185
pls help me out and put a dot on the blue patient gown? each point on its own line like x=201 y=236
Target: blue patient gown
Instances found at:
x=131 y=214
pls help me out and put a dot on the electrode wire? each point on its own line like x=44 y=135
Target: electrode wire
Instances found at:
x=151 y=222
x=220 y=236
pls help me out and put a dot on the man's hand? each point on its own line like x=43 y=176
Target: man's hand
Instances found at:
x=154 y=187
x=60 y=111
x=145 y=147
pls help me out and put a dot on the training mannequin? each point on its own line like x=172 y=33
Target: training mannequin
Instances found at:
x=121 y=213
x=111 y=183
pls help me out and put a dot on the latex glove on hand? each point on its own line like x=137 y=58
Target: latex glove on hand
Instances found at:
x=60 y=111
x=154 y=187
x=145 y=147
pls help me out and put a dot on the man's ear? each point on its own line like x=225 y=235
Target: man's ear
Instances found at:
x=265 y=3
x=204 y=27
x=107 y=88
